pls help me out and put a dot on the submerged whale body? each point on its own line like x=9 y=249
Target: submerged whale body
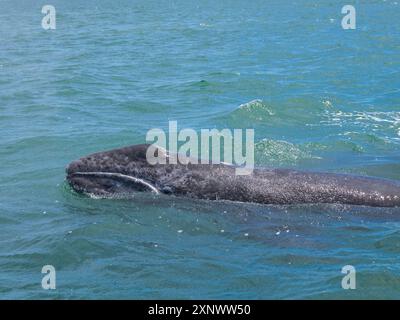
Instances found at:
x=121 y=172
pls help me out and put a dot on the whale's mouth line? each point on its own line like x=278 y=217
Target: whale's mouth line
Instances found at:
x=119 y=176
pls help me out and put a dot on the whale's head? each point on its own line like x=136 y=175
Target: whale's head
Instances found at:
x=117 y=172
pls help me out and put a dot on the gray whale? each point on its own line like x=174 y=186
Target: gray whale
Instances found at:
x=123 y=171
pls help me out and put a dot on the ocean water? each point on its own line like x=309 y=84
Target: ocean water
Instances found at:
x=319 y=98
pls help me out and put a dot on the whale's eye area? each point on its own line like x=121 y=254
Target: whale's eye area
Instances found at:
x=105 y=183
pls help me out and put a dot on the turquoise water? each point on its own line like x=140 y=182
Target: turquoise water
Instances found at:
x=319 y=97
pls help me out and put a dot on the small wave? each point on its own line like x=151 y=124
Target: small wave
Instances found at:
x=369 y=130
x=371 y=121
x=335 y=146
x=206 y=25
x=249 y=114
x=282 y=152
x=389 y=243
x=256 y=108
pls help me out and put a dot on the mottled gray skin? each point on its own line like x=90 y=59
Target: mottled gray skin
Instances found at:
x=219 y=182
